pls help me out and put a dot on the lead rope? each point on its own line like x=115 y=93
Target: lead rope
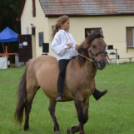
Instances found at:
x=83 y=56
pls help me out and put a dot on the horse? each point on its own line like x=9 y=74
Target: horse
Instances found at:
x=79 y=83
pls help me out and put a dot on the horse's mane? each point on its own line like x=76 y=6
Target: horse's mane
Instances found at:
x=84 y=46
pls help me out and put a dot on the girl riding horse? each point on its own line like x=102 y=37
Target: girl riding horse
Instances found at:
x=63 y=45
x=79 y=83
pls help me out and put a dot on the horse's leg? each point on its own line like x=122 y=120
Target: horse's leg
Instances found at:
x=76 y=128
x=52 y=113
x=29 y=99
x=79 y=108
x=85 y=109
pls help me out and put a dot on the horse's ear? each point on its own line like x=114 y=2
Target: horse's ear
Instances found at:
x=88 y=33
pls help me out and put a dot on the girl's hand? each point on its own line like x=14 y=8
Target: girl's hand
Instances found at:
x=69 y=46
x=76 y=45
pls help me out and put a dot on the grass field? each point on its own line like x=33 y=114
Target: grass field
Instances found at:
x=112 y=114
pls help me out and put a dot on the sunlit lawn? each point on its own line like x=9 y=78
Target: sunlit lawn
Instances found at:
x=112 y=114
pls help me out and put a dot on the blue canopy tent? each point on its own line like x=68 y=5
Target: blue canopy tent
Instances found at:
x=7 y=35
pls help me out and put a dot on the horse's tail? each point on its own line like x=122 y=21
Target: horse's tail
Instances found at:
x=21 y=93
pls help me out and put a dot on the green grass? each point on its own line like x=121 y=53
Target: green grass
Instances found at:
x=112 y=114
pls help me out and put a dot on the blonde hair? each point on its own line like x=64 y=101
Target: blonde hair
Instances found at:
x=61 y=20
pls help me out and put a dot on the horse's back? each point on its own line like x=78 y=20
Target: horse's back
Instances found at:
x=44 y=70
x=44 y=62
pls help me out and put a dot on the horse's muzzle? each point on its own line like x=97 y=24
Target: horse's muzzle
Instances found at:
x=101 y=64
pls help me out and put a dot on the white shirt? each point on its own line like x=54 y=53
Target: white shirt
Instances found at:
x=59 y=45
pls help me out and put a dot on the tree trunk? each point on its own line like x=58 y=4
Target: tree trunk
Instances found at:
x=3 y=47
x=13 y=22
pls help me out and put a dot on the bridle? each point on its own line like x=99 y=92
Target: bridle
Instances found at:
x=94 y=56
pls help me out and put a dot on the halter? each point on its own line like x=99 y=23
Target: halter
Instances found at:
x=94 y=56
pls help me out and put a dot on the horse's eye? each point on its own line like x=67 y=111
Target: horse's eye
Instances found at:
x=94 y=46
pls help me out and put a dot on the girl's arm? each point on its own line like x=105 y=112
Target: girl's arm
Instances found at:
x=57 y=46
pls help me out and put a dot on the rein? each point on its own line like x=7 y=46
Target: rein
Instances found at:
x=85 y=57
x=94 y=56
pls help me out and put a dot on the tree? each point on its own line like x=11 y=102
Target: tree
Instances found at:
x=8 y=14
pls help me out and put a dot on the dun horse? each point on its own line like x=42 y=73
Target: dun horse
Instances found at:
x=79 y=82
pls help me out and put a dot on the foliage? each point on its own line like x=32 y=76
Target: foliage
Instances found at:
x=8 y=13
x=112 y=114
x=9 y=10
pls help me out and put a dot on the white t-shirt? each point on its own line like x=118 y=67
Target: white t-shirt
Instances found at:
x=59 y=45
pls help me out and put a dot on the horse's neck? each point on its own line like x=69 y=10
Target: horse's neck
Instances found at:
x=89 y=69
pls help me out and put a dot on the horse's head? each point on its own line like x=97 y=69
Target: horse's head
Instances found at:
x=94 y=47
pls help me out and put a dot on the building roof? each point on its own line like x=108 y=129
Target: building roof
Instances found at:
x=87 y=7
x=84 y=7
x=21 y=9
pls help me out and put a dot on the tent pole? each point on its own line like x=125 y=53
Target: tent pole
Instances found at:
x=6 y=54
x=9 y=49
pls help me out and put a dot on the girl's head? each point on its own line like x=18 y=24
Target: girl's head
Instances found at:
x=63 y=23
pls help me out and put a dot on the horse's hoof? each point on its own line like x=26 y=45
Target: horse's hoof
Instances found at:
x=26 y=129
x=82 y=133
x=69 y=131
x=57 y=132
